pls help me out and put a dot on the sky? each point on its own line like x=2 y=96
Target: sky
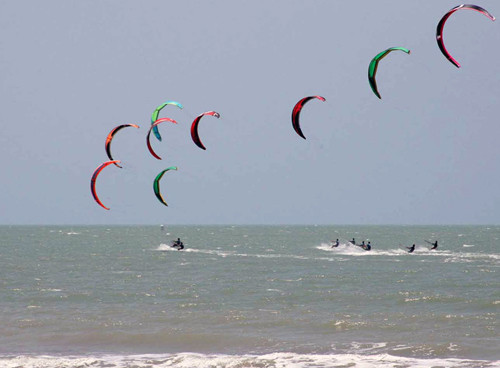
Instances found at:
x=426 y=153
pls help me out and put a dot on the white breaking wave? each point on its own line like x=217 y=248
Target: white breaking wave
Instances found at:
x=274 y=360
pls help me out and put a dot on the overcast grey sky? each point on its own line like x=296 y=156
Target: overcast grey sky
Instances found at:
x=427 y=153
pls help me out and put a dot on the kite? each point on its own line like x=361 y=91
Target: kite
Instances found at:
x=155 y=114
x=94 y=178
x=156 y=184
x=110 y=136
x=372 y=68
x=194 y=128
x=440 y=26
x=296 y=113
x=155 y=125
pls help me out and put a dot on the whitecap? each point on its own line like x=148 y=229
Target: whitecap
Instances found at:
x=279 y=360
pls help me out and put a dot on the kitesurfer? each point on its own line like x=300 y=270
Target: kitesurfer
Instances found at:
x=368 y=246
x=335 y=243
x=434 y=245
x=411 y=249
x=353 y=241
x=178 y=244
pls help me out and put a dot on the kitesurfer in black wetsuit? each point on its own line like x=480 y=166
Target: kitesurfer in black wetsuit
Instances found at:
x=411 y=249
x=434 y=245
x=365 y=246
x=353 y=241
x=335 y=243
x=178 y=244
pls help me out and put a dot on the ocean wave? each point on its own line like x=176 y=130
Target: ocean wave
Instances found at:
x=274 y=360
x=420 y=250
x=229 y=253
x=352 y=250
x=346 y=250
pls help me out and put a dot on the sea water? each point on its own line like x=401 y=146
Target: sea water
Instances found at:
x=248 y=296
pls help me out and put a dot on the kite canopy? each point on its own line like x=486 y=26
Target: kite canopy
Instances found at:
x=440 y=26
x=296 y=113
x=155 y=125
x=156 y=184
x=110 y=136
x=94 y=178
x=372 y=68
x=194 y=128
x=154 y=116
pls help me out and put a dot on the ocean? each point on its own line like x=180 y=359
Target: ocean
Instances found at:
x=248 y=296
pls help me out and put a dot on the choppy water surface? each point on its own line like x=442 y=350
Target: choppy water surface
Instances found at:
x=256 y=296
